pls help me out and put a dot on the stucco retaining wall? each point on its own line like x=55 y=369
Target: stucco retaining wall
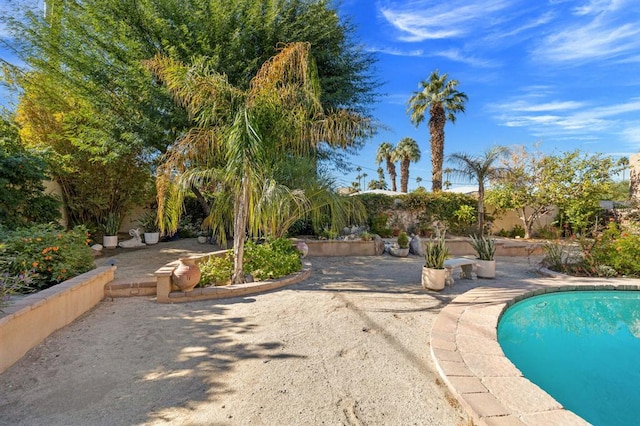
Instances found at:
x=28 y=321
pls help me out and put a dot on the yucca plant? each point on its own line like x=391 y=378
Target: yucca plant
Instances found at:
x=111 y=224
x=436 y=252
x=485 y=247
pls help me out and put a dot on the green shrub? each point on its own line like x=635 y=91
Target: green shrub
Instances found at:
x=13 y=284
x=378 y=225
x=403 y=240
x=272 y=259
x=611 y=253
x=48 y=252
x=615 y=249
x=217 y=270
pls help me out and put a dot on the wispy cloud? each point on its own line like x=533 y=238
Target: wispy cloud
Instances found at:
x=572 y=119
x=598 y=30
x=395 y=51
x=422 y=20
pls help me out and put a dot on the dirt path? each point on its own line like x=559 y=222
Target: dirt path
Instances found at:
x=348 y=346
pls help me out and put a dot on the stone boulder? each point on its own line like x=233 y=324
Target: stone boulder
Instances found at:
x=415 y=246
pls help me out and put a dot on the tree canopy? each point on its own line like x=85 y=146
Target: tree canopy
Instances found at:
x=86 y=75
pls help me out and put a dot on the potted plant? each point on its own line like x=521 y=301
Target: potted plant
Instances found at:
x=402 y=246
x=433 y=271
x=149 y=221
x=485 y=249
x=111 y=226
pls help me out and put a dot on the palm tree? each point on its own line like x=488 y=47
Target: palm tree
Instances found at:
x=419 y=181
x=384 y=154
x=382 y=184
x=359 y=169
x=478 y=168
x=241 y=138
x=624 y=163
x=443 y=101
x=406 y=152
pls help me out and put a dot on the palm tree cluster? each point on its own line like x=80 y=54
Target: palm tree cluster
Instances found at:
x=406 y=152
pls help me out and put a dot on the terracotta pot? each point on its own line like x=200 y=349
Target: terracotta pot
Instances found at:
x=486 y=268
x=187 y=275
x=433 y=279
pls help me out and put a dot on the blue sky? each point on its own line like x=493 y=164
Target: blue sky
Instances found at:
x=564 y=73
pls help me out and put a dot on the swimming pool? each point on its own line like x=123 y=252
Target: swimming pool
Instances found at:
x=581 y=347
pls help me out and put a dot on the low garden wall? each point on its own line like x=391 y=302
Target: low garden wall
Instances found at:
x=29 y=320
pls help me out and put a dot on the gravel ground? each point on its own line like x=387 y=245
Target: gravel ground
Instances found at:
x=348 y=346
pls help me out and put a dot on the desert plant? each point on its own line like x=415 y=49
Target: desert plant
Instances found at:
x=111 y=224
x=403 y=240
x=485 y=247
x=436 y=252
x=149 y=221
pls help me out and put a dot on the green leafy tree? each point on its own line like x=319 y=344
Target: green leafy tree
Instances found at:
x=23 y=200
x=85 y=67
x=385 y=153
x=406 y=152
x=241 y=136
x=533 y=184
x=480 y=169
x=578 y=182
x=441 y=98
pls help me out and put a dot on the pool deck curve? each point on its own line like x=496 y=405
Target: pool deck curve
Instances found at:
x=465 y=349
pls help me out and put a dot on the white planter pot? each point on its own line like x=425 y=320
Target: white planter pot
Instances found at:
x=433 y=279
x=151 y=237
x=398 y=252
x=486 y=268
x=110 y=241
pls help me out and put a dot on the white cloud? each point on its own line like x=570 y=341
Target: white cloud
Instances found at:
x=396 y=52
x=421 y=20
x=602 y=29
x=560 y=119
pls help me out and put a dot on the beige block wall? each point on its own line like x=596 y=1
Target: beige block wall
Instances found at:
x=510 y=219
x=31 y=320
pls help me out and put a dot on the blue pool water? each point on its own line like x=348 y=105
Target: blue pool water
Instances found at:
x=581 y=347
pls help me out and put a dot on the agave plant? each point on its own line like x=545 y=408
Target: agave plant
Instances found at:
x=436 y=252
x=485 y=247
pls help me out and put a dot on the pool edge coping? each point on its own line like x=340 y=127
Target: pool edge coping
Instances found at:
x=464 y=347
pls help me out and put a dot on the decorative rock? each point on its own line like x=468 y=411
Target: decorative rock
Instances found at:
x=415 y=246
x=97 y=247
x=303 y=248
x=379 y=245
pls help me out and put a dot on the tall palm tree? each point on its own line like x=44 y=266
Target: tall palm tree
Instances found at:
x=384 y=153
x=480 y=169
x=239 y=139
x=441 y=97
x=407 y=151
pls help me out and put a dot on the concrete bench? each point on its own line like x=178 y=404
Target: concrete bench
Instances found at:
x=466 y=266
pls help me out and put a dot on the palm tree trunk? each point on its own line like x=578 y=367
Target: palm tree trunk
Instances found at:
x=240 y=209
x=392 y=174
x=481 y=207
x=436 y=129
x=404 y=175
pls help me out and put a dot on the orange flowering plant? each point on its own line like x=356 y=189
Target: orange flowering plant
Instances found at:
x=47 y=253
x=616 y=249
